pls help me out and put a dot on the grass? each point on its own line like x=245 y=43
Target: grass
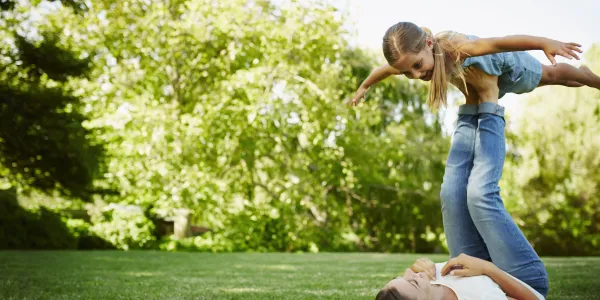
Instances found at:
x=162 y=275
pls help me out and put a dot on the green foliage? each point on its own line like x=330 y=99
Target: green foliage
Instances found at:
x=552 y=179
x=59 y=67
x=244 y=123
x=236 y=111
x=76 y=5
x=46 y=146
x=86 y=239
x=42 y=228
x=124 y=228
x=6 y=4
x=208 y=242
x=23 y=229
x=43 y=143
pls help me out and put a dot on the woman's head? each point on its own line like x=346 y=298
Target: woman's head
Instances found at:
x=416 y=53
x=411 y=286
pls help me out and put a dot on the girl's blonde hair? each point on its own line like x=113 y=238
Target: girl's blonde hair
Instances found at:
x=406 y=37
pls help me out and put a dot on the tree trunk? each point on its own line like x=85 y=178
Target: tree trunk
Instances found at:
x=182 y=226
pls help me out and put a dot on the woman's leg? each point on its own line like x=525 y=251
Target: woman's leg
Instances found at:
x=508 y=247
x=461 y=234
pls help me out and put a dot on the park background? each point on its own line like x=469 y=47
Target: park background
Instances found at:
x=222 y=126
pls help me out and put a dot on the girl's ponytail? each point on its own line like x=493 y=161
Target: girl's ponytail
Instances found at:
x=442 y=47
x=427 y=31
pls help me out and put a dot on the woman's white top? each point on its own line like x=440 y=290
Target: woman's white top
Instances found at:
x=476 y=287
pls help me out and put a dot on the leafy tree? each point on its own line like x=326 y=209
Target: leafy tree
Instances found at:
x=553 y=174
x=43 y=143
x=234 y=110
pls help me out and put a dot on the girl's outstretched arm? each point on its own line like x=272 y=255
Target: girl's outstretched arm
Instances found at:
x=377 y=75
x=510 y=43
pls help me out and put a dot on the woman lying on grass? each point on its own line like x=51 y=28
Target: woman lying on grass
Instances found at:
x=461 y=278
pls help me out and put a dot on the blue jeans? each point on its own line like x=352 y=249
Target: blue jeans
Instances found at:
x=475 y=220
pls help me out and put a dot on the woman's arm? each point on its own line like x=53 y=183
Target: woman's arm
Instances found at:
x=472 y=266
x=510 y=43
x=509 y=285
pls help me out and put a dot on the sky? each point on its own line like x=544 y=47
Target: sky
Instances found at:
x=562 y=20
x=566 y=21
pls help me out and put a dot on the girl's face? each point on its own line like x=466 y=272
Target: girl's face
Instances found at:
x=417 y=65
x=414 y=286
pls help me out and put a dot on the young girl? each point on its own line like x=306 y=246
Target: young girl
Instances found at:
x=415 y=53
x=476 y=222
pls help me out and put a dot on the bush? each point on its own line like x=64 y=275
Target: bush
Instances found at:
x=86 y=239
x=24 y=229
x=124 y=228
x=208 y=242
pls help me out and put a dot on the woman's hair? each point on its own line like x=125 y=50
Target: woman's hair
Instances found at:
x=406 y=37
x=390 y=293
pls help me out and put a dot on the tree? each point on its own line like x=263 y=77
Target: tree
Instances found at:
x=235 y=111
x=553 y=172
x=43 y=143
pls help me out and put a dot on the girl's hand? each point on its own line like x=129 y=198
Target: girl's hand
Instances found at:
x=465 y=265
x=360 y=93
x=552 y=48
x=424 y=265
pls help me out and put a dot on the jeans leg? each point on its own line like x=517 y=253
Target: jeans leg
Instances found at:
x=508 y=247
x=461 y=234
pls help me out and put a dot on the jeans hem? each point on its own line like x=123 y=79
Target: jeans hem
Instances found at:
x=468 y=109
x=491 y=108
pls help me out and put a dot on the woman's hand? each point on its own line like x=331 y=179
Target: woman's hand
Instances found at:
x=552 y=48
x=424 y=265
x=360 y=93
x=465 y=265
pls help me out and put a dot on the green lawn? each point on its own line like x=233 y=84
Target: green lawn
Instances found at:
x=162 y=275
